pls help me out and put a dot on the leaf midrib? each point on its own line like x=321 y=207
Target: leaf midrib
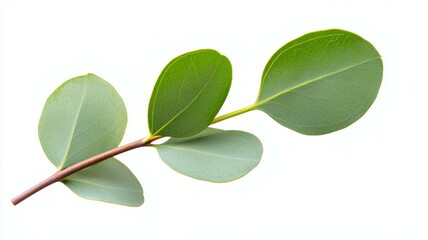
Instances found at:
x=102 y=186
x=191 y=102
x=293 y=46
x=76 y=119
x=161 y=80
x=313 y=80
x=202 y=152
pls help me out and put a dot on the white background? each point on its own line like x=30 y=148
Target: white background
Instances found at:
x=369 y=181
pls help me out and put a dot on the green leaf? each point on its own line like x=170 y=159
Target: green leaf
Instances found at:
x=189 y=93
x=109 y=181
x=85 y=116
x=321 y=82
x=213 y=155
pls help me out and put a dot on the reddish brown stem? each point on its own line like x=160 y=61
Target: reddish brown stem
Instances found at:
x=58 y=176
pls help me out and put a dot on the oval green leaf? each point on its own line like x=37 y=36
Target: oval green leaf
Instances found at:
x=213 y=155
x=85 y=116
x=109 y=181
x=321 y=82
x=189 y=93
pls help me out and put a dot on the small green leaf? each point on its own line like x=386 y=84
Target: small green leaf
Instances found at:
x=213 y=155
x=321 y=82
x=189 y=93
x=85 y=116
x=109 y=181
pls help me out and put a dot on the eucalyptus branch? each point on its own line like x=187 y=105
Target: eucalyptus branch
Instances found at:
x=187 y=96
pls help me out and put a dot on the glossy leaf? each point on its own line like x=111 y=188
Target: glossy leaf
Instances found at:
x=85 y=116
x=213 y=155
x=321 y=82
x=189 y=93
x=109 y=181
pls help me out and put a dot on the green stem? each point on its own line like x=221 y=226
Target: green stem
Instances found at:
x=234 y=113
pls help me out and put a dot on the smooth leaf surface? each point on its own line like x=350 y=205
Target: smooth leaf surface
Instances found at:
x=213 y=155
x=85 y=116
x=109 y=181
x=189 y=93
x=321 y=82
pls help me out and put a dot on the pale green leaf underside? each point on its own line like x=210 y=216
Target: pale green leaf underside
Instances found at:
x=213 y=155
x=109 y=181
x=189 y=93
x=85 y=116
x=321 y=82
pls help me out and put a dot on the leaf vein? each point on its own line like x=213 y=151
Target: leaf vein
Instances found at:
x=203 y=153
x=309 y=81
x=191 y=102
x=61 y=166
x=160 y=82
x=102 y=186
x=291 y=47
